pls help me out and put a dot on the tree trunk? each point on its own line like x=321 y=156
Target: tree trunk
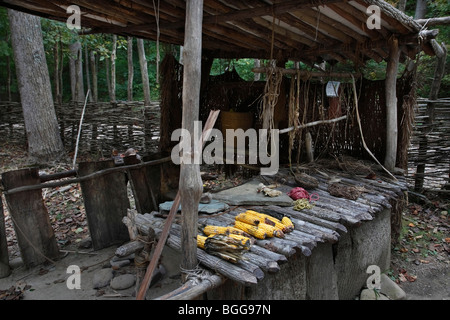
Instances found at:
x=144 y=72
x=190 y=179
x=76 y=72
x=391 y=105
x=130 y=69
x=56 y=81
x=86 y=70
x=401 y=5
x=44 y=141
x=257 y=65
x=108 y=77
x=93 y=63
x=61 y=69
x=113 y=69
x=421 y=9
x=8 y=76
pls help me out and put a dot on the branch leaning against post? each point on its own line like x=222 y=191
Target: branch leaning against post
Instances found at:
x=176 y=203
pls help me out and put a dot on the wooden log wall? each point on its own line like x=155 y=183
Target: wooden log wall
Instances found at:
x=437 y=135
x=106 y=126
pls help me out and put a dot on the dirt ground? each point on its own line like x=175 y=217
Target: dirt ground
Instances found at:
x=420 y=261
x=50 y=282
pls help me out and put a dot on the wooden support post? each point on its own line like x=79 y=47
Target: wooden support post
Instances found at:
x=391 y=104
x=441 y=57
x=190 y=179
x=34 y=231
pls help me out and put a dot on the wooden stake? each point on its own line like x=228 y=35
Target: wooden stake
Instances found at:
x=391 y=105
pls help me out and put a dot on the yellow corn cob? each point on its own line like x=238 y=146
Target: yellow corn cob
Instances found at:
x=249 y=218
x=209 y=230
x=242 y=239
x=271 y=231
x=201 y=241
x=288 y=223
x=252 y=230
x=269 y=220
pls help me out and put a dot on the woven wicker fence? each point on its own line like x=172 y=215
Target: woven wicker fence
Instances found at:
x=106 y=126
x=430 y=144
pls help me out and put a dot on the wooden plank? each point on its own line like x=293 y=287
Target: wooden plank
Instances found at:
x=34 y=231
x=145 y=183
x=106 y=202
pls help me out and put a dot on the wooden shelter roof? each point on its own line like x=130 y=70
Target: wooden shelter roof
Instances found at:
x=299 y=30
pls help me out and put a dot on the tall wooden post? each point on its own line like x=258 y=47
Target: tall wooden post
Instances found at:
x=391 y=104
x=190 y=179
x=441 y=57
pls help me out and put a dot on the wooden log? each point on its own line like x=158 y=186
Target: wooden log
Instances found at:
x=190 y=179
x=58 y=175
x=87 y=177
x=325 y=234
x=106 y=202
x=345 y=206
x=4 y=256
x=250 y=266
x=279 y=258
x=308 y=218
x=330 y=211
x=434 y=21
x=305 y=73
x=281 y=248
x=264 y=263
x=34 y=231
x=192 y=289
x=312 y=124
x=364 y=201
x=129 y=248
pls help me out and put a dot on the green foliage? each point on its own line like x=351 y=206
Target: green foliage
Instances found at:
x=55 y=33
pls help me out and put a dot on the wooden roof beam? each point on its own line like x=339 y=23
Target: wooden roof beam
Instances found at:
x=275 y=9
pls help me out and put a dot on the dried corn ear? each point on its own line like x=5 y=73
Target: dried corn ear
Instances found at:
x=209 y=230
x=201 y=241
x=250 y=229
x=249 y=218
x=271 y=231
x=269 y=220
x=288 y=223
x=244 y=241
x=226 y=247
